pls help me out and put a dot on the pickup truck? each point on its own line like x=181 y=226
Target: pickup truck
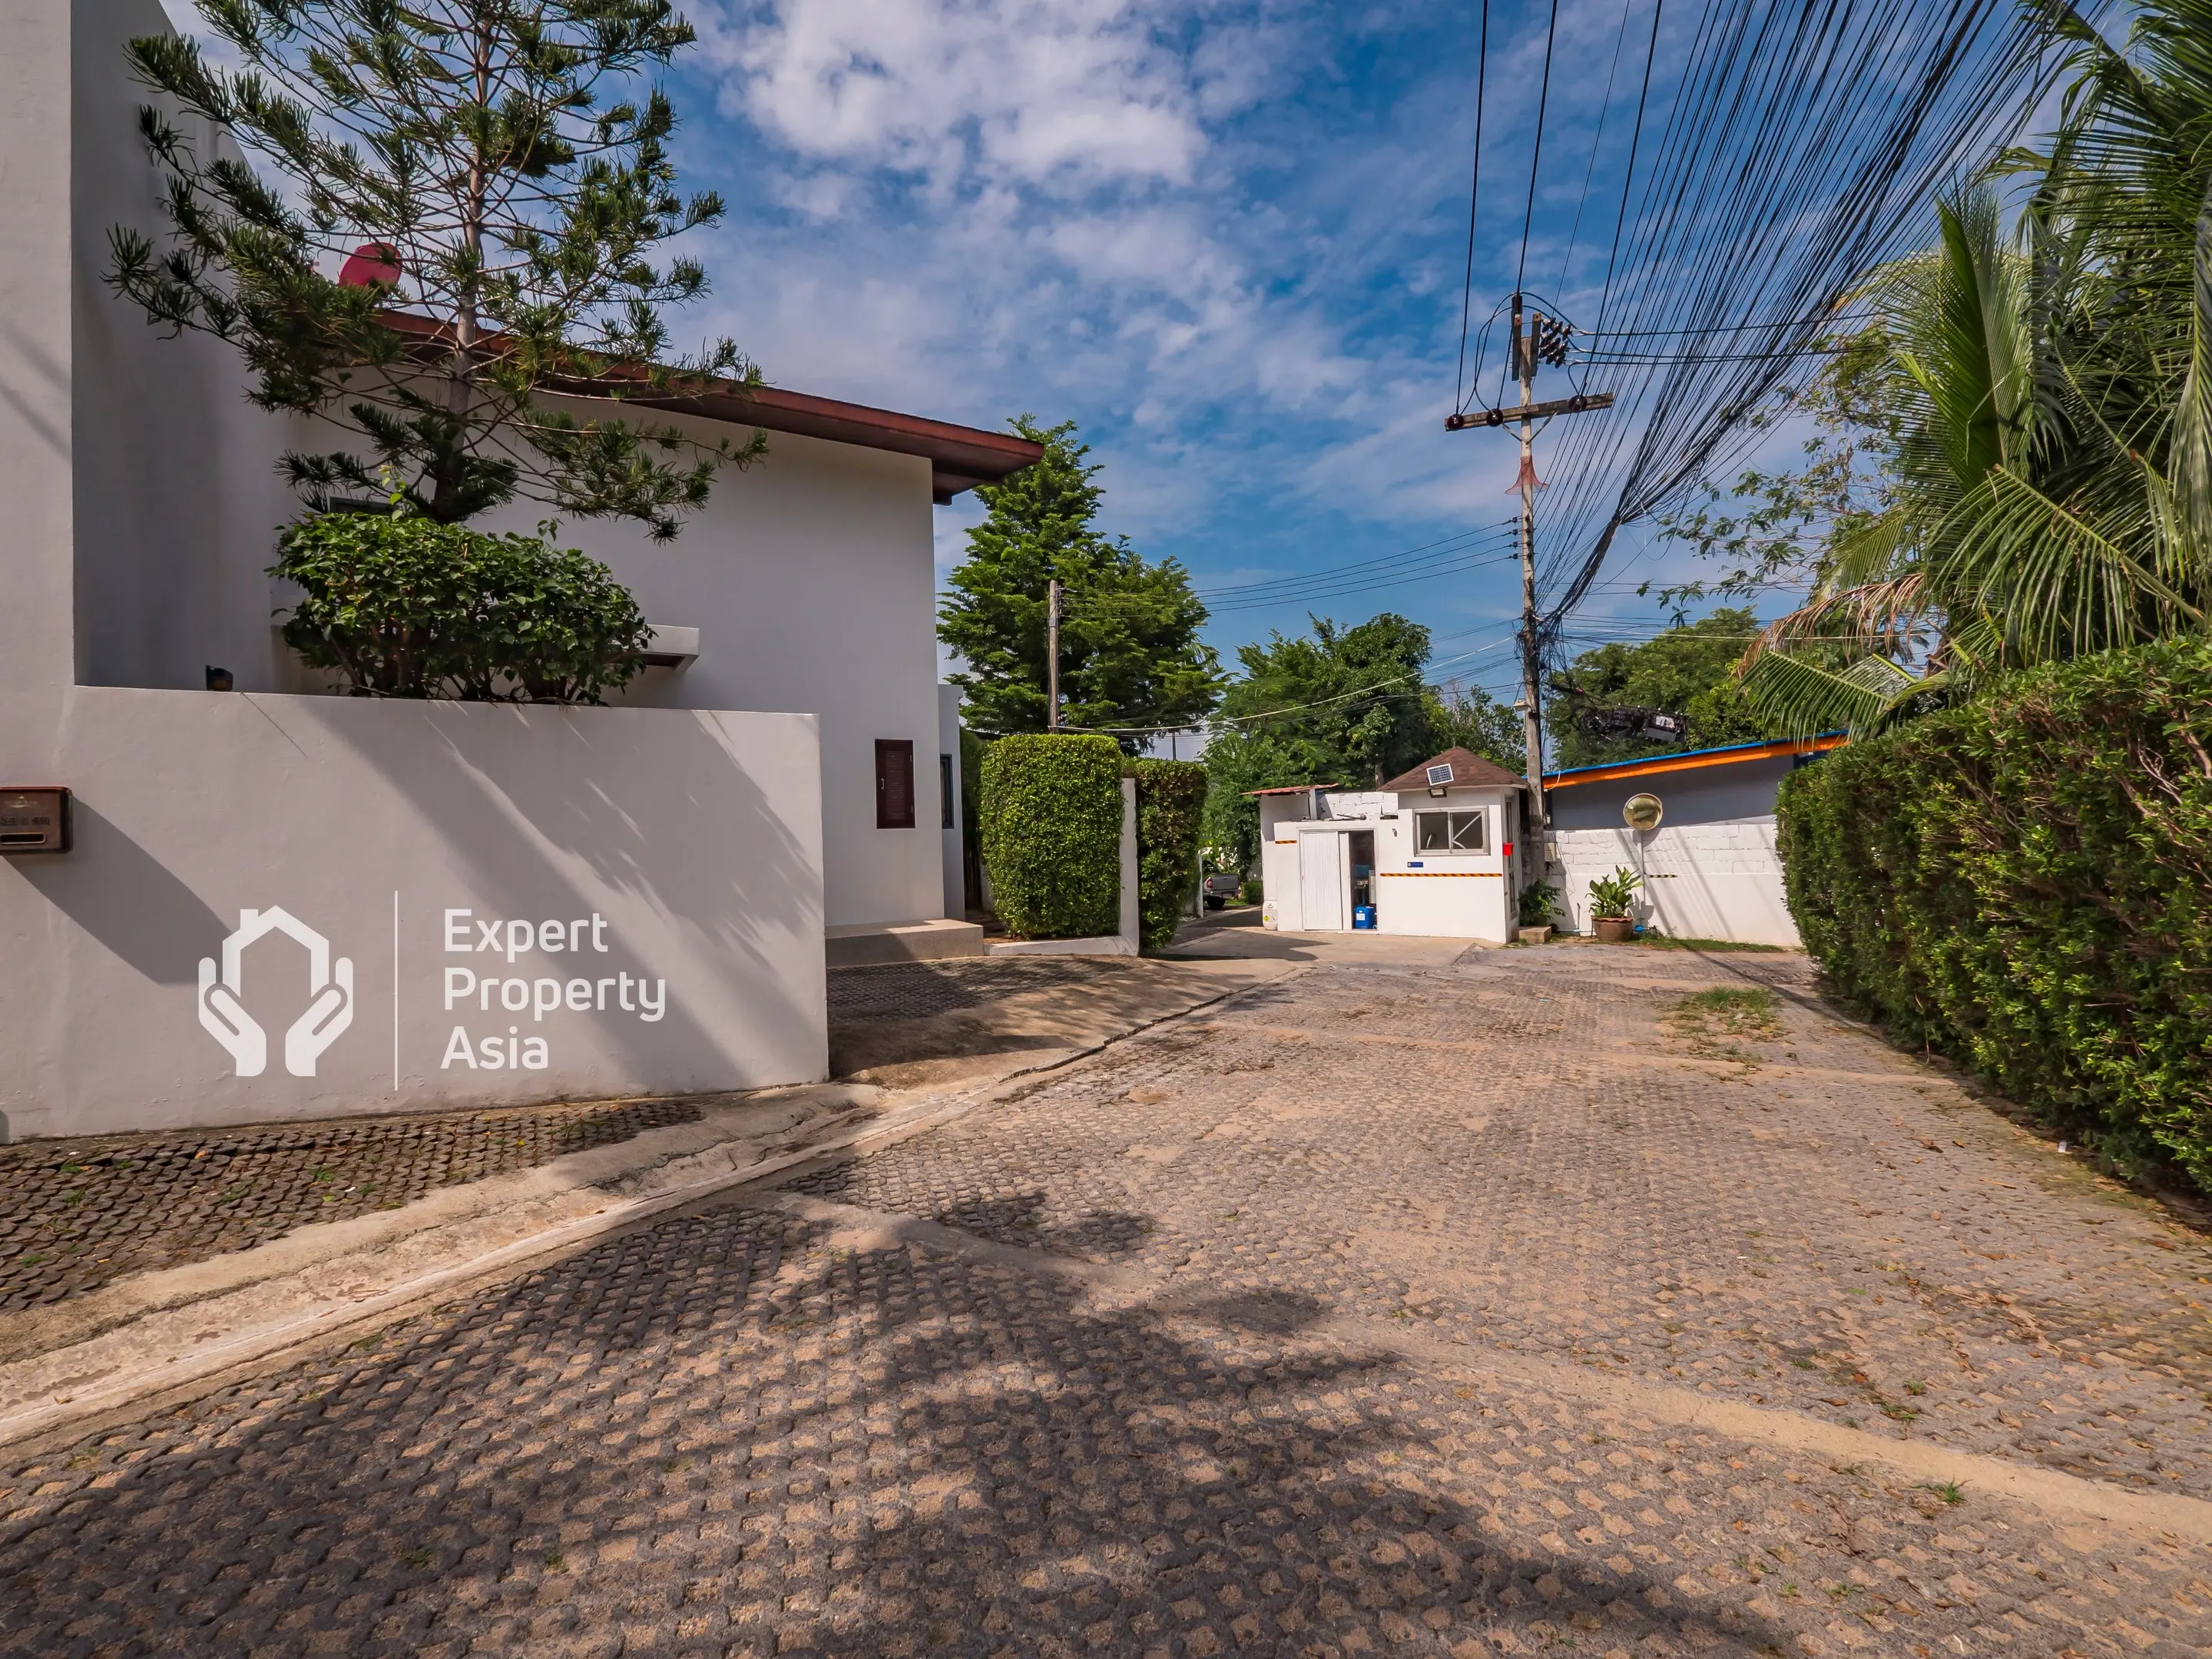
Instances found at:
x=1221 y=889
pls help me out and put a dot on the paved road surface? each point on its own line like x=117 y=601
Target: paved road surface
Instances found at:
x=1420 y=1310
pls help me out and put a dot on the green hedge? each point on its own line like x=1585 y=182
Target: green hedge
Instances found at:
x=1170 y=805
x=403 y=607
x=1051 y=824
x=2025 y=883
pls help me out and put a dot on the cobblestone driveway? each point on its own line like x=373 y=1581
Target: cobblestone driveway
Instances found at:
x=1086 y=1374
x=75 y=1214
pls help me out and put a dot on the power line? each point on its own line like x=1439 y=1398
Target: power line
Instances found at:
x=1597 y=140
x=1473 y=195
x=1377 y=561
x=1536 y=152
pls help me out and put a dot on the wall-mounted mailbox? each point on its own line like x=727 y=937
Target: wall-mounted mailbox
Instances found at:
x=34 y=820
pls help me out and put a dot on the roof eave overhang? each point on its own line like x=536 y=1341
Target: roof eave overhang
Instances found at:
x=1658 y=764
x=959 y=457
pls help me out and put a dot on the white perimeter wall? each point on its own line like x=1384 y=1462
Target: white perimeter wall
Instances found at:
x=1721 y=880
x=809 y=576
x=688 y=842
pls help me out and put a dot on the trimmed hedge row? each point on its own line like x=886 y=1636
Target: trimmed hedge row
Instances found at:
x=2025 y=883
x=1171 y=803
x=1051 y=827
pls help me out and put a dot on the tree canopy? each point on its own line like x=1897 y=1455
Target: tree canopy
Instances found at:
x=1130 y=656
x=2040 y=399
x=1343 y=705
x=503 y=167
x=1689 y=670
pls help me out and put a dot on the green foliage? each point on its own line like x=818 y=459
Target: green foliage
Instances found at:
x=1129 y=651
x=1688 y=670
x=2025 y=883
x=2046 y=406
x=1052 y=833
x=1468 y=717
x=512 y=157
x=1612 y=897
x=1341 y=705
x=973 y=748
x=403 y=606
x=1538 y=901
x=1170 y=811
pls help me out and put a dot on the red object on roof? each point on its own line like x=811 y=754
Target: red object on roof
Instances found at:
x=960 y=457
x=1469 y=771
x=373 y=265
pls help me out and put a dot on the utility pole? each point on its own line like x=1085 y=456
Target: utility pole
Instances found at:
x=1530 y=342
x=1532 y=723
x=1052 y=655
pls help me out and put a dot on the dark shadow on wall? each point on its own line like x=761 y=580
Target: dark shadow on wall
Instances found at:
x=651 y=801
x=127 y=900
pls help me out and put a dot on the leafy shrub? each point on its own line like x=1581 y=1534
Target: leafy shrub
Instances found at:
x=1612 y=897
x=1170 y=807
x=405 y=607
x=1538 y=899
x=1052 y=833
x=2025 y=883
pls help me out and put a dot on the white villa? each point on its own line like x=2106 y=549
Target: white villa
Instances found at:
x=1435 y=852
x=282 y=903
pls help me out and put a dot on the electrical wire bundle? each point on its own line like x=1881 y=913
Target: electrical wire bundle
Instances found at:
x=1798 y=144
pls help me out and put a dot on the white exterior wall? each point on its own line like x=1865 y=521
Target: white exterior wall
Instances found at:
x=141 y=512
x=809 y=576
x=1701 y=880
x=692 y=837
x=1438 y=895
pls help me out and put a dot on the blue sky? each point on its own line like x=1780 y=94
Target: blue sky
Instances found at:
x=1226 y=239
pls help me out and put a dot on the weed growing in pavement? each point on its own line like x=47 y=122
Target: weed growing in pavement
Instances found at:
x=1946 y=1489
x=1715 y=1022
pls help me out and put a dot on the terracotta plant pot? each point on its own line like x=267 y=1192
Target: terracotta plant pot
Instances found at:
x=1615 y=930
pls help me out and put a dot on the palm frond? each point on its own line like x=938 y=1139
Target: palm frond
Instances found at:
x=1802 y=697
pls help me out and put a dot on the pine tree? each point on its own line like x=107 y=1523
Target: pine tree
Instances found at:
x=504 y=164
x=1129 y=651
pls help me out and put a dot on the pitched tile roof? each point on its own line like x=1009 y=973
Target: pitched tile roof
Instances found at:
x=1469 y=771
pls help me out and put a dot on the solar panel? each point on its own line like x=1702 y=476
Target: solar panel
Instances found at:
x=1441 y=773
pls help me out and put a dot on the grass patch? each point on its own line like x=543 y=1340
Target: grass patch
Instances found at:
x=1715 y=1023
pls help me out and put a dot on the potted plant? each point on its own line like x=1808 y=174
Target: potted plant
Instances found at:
x=1610 y=898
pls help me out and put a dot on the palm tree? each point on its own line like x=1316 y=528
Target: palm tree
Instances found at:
x=2052 y=398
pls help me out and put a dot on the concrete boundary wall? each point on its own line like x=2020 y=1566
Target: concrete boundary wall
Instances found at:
x=283 y=907
x=1721 y=880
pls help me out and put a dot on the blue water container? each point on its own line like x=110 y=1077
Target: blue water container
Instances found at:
x=1363 y=916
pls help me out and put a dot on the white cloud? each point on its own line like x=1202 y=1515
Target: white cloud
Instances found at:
x=1049 y=93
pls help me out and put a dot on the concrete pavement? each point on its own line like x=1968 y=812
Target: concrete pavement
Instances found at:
x=1502 y=1304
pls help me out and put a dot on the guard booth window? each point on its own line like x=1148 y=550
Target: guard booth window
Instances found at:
x=894 y=783
x=1449 y=832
